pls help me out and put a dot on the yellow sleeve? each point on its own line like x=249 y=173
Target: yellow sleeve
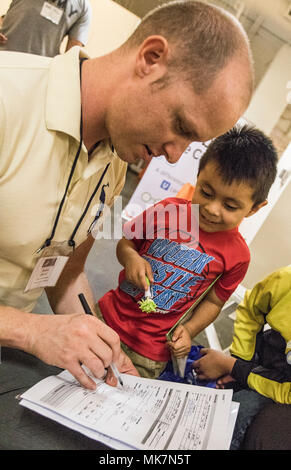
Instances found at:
x=269 y=301
x=279 y=392
x=250 y=319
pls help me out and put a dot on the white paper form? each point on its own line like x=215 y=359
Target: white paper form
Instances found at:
x=109 y=441
x=91 y=433
x=145 y=414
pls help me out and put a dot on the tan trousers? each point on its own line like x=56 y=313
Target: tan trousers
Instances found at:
x=145 y=366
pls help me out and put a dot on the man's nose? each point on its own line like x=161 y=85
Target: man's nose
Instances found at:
x=174 y=150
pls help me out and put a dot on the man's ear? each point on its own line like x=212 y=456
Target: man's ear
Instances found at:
x=256 y=208
x=152 y=56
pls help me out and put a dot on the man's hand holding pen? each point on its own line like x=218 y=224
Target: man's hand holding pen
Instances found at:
x=124 y=363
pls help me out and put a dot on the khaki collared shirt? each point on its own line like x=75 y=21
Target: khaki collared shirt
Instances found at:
x=39 y=136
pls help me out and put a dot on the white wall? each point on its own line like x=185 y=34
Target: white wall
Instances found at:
x=4 y=4
x=271 y=248
x=250 y=226
x=270 y=98
x=111 y=26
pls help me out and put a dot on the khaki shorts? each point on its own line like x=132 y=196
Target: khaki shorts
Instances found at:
x=145 y=366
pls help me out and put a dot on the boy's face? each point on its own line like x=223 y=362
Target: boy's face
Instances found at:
x=221 y=206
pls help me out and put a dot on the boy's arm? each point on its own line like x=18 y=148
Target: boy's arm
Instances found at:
x=204 y=314
x=250 y=320
x=214 y=364
x=272 y=383
x=136 y=267
x=268 y=382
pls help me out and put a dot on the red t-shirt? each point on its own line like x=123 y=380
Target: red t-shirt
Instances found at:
x=185 y=260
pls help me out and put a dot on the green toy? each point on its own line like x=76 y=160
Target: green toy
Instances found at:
x=147 y=304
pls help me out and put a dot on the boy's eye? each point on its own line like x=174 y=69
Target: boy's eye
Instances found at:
x=230 y=208
x=206 y=193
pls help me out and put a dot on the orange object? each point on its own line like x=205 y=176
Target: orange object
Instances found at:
x=186 y=192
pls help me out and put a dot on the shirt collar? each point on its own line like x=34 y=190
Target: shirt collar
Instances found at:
x=63 y=99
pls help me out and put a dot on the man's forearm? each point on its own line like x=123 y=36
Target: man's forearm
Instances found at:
x=63 y=298
x=15 y=328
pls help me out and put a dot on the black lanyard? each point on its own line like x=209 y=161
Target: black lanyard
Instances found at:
x=71 y=241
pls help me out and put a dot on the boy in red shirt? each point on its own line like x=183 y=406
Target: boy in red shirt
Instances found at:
x=181 y=259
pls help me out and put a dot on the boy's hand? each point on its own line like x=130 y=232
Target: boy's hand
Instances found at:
x=213 y=364
x=223 y=381
x=181 y=342
x=136 y=270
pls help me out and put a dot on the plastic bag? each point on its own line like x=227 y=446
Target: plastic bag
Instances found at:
x=189 y=374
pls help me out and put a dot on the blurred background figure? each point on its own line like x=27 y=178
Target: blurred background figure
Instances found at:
x=39 y=27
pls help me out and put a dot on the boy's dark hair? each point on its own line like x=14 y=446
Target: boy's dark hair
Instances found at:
x=244 y=154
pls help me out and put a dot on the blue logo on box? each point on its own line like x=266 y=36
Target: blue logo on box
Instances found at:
x=165 y=185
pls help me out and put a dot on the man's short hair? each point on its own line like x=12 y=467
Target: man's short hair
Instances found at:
x=205 y=38
x=244 y=154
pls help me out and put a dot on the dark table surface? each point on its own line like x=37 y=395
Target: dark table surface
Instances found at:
x=23 y=429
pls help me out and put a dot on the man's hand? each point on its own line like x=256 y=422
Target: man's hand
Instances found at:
x=124 y=365
x=3 y=38
x=181 y=342
x=213 y=364
x=68 y=341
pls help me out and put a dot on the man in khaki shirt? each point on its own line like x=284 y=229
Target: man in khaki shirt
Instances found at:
x=184 y=75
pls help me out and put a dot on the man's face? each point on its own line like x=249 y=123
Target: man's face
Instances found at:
x=148 y=120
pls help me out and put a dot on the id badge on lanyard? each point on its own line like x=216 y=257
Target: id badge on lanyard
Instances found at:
x=50 y=266
x=51 y=12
